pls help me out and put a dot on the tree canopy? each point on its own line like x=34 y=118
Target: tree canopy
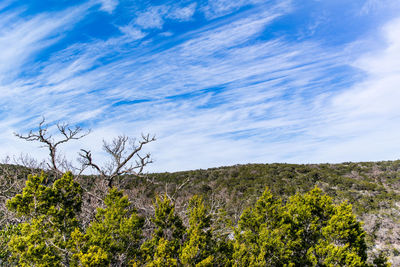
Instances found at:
x=306 y=230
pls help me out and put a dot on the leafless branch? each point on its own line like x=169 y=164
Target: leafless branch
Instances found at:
x=87 y=160
x=122 y=150
x=47 y=140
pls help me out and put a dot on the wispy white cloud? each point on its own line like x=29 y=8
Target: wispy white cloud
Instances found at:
x=152 y=17
x=217 y=8
x=182 y=13
x=362 y=122
x=132 y=32
x=192 y=65
x=374 y=6
x=216 y=95
x=5 y=3
x=108 y=5
x=22 y=38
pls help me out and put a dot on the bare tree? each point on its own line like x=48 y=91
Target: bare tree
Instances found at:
x=56 y=163
x=126 y=157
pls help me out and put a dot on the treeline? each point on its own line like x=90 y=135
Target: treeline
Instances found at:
x=120 y=216
x=368 y=186
x=51 y=228
x=371 y=187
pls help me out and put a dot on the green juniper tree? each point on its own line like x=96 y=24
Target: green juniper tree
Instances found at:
x=51 y=216
x=261 y=233
x=309 y=230
x=6 y=233
x=324 y=234
x=164 y=246
x=198 y=247
x=114 y=237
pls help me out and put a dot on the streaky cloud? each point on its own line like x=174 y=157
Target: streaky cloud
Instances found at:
x=219 y=91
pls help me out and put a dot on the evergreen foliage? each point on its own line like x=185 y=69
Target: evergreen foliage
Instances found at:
x=51 y=216
x=5 y=236
x=113 y=237
x=307 y=229
x=198 y=247
x=167 y=236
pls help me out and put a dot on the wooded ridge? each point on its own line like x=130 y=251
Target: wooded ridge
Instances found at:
x=372 y=188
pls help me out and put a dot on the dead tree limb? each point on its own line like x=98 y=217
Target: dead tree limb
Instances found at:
x=125 y=157
x=48 y=141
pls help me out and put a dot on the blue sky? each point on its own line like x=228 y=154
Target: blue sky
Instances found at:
x=219 y=82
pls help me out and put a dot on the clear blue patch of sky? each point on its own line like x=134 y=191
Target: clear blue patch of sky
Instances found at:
x=32 y=7
x=95 y=26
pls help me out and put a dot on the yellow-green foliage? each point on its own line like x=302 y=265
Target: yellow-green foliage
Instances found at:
x=197 y=249
x=51 y=217
x=34 y=200
x=6 y=234
x=163 y=254
x=309 y=230
x=305 y=230
x=113 y=237
x=167 y=237
x=94 y=256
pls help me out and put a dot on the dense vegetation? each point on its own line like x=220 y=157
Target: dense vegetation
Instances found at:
x=306 y=230
x=255 y=214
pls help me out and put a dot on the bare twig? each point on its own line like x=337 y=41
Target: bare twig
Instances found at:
x=122 y=150
x=42 y=136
